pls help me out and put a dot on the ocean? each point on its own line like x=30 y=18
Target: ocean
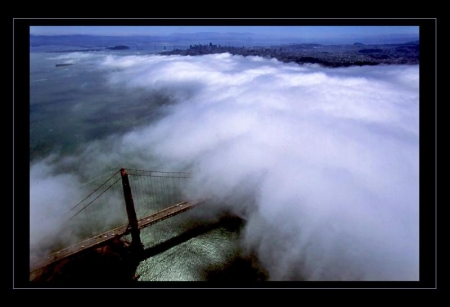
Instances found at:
x=71 y=106
x=309 y=172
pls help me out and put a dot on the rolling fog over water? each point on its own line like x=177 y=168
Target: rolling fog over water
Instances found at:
x=322 y=164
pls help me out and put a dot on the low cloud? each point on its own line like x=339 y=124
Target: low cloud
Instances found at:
x=322 y=163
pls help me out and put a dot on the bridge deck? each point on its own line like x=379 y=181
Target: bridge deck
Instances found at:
x=111 y=234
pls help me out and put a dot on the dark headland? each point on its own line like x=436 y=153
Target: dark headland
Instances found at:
x=119 y=47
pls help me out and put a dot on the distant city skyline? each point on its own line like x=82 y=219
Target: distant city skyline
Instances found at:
x=304 y=33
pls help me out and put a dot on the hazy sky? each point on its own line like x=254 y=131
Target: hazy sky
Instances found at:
x=301 y=32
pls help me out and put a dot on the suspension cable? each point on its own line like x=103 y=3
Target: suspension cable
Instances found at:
x=94 y=191
x=147 y=171
x=97 y=178
x=94 y=199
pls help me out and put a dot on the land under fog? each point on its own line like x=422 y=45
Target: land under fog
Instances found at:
x=326 y=55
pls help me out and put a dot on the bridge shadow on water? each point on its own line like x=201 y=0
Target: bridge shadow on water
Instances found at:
x=192 y=231
x=113 y=264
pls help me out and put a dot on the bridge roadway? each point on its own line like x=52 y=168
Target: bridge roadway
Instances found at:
x=111 y=234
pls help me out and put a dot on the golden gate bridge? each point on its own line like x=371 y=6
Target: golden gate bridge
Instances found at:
x=125 y=203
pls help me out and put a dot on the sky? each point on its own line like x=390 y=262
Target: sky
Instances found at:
x=281 y=32
x=323 y=164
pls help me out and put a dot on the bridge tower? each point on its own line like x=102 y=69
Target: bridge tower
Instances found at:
x=136 y=243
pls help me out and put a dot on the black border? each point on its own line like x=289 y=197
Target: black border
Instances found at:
x=428 y=102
